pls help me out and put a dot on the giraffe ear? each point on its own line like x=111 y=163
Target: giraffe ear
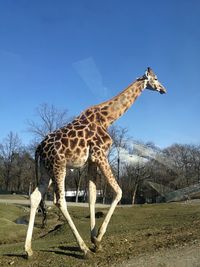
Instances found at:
x=146 y=74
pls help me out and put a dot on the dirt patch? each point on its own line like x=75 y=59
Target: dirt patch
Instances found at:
x=185 y=256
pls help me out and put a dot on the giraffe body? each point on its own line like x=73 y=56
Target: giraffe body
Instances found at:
x=83 y=140
x=72 y=144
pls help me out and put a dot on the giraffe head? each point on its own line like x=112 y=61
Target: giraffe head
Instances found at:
x=152 y=83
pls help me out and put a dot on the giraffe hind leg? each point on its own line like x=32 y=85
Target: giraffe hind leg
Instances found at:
x=43 y=208
x=35 y=198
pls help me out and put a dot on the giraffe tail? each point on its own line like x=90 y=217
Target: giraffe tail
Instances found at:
x=42 y=205
x=37 y=155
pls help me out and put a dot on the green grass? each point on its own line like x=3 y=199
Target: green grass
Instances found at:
x=13 y=196
x=9 y=230
x=132 y=231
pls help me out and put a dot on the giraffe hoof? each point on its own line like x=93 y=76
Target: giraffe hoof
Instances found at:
x=93 y=239
x=29 y=253
x=97 y=244
x=97 y=247
x=87 y=254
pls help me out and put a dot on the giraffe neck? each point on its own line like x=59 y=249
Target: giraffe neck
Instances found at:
x=112 y=109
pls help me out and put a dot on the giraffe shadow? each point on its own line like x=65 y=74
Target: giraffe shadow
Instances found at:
x=18 y=255
x=67 y=251
x=74 y=249
x=52 y=230
x=61 y=250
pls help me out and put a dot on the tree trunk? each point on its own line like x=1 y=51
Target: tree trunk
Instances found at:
x=7 y=180
x=30 y=189
x=134 y=194
x=104 y=194
x=118 y=168
x=78 y=186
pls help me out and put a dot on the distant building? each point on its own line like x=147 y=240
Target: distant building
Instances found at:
x=70 y=195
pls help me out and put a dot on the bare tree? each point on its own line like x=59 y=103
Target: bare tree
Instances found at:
x=144 y=165
x=119 y=137
x=196 y=161
x=50 y=118
x=133 y=178
x=10 y=146
x=181 y=156
x=79 y=174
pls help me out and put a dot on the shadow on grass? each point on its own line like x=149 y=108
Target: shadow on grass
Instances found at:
x=61 y=250
x=72 y=251
x=52 y=230
x=70 y=248
x=18 y=255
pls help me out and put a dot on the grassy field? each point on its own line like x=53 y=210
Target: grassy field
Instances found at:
x=132 y=231
x=13 y=196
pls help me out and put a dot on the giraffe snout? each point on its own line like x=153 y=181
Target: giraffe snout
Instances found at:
x=163 y=90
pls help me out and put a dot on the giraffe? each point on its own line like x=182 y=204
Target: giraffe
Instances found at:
x=84 y=140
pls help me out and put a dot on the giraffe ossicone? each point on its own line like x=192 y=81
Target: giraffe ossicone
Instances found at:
x=85 y=139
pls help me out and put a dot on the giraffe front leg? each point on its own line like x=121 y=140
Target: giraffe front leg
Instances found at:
x=106 y=170
x=62 y=205
x=92 y=172
x=92 y=201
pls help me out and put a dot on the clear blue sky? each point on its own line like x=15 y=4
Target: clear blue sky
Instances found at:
x=74 y=54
